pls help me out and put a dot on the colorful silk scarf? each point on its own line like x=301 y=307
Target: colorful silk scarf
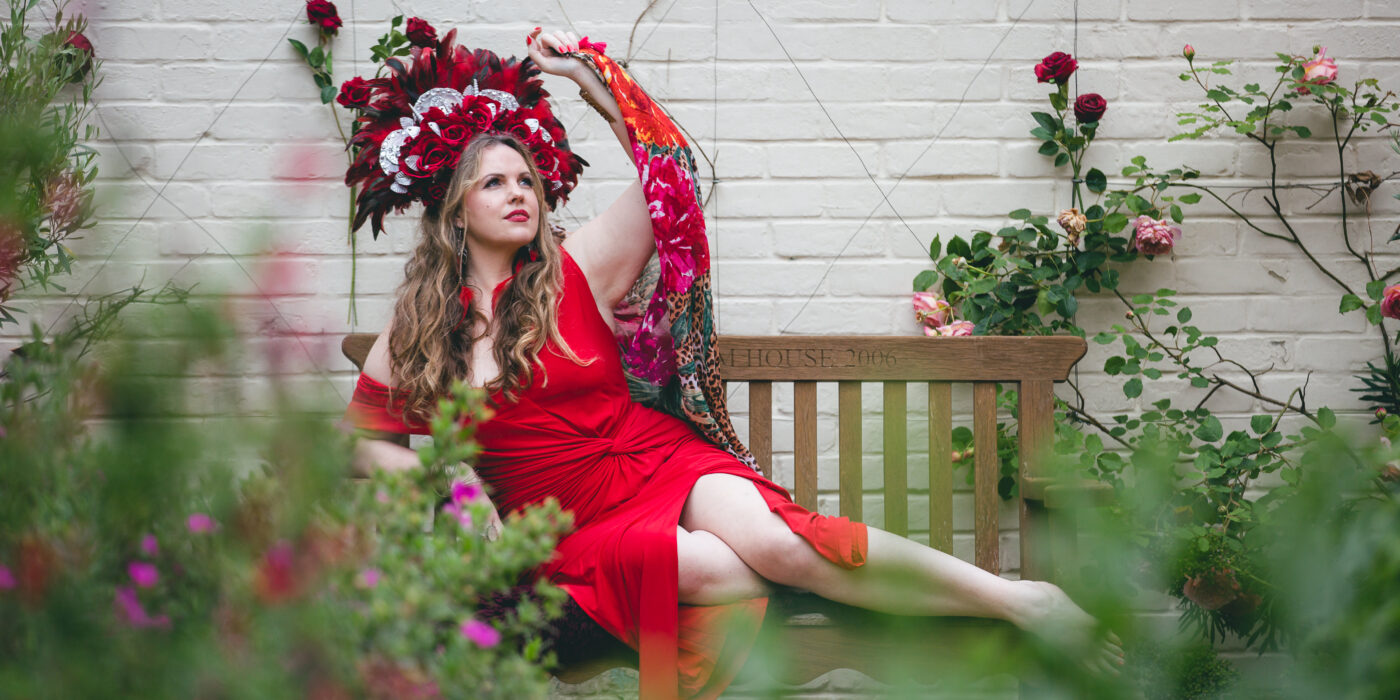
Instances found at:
x=668 y=345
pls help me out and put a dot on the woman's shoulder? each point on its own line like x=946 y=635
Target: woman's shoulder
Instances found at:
x=376 y=367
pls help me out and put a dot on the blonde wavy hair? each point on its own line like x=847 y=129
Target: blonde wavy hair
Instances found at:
x=430 y=344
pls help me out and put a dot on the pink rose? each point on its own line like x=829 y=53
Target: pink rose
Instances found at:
x=1390 y=302
x=931 y=310
x=480 y=633
x=1153 y=236
x=1188 y=51
x=1319 y=71
x=956 y=329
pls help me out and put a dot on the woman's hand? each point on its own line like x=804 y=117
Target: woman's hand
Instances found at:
x=549 y=49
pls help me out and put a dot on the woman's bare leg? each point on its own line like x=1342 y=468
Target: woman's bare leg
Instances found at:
x=899 y=576
x=711 y=573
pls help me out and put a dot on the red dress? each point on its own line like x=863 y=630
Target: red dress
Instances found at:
x=625 y=471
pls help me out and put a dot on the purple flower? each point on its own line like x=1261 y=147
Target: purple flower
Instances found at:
x=369 y=578
x=7 y=579
x=143 y=574
x=149 y=546
x=480 y=633
x=200 y=523
x=129 y=610
x=464 y=492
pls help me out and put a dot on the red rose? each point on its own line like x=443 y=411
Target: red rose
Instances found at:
x=421 y=33
x=478 y=113
x=437 y=192
x=1089 y=107
x=426 y=155
x=76 y=67
x=355 y=93
x=1055 y=68
x=323 y=14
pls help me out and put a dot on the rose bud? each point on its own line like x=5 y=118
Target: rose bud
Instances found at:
x=1188 y=52
x=1089 y=108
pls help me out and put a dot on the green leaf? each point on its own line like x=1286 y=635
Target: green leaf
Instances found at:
x=1113 y=365
x=1133 y=387
x=1302 y=131
x=1113 y=223
x=1200 y=382
x=1190 y=198
x=1350 y=302
x=327 y=94
x=1373 y=314
x=1049 y=148
x=1260 y=424
x=1061 y=159
x=1209 y=430
x=1326 y=418
x=1183 y=315
x=1020 y=214
x=1096 y=181
x=924 y=280
x=300 y=48
x=398 y=19
x=1375 y=289
x=1176 y=214
x=935 y=248
x=316 y=58
x=1047 y=121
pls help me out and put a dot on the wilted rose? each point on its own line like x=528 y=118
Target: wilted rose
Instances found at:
x=956 y=329
x=1089 y=107
x=420 y=33
x=931 y=310
x=323 y=14
x=1153 y=236
x=1213 y=589
x=1056 y=68
x=1321 y=70
x=1390 y=301
x=1073 y=222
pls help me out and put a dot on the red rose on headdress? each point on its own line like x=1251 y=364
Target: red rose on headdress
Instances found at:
x=323 y=14
x=454 y=132
x=355 y=93
x=1055 y=68
x=426 y=155
x=1089 y=107
x=421 y=33
x=478 y=113
x=437 y=191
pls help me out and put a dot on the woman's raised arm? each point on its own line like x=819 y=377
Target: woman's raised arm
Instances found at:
x=613 y=248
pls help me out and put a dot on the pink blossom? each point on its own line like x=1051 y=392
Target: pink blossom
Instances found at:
x=1188 y=51
x=463 y=517
x=149 y=546
x=1319 y=71
x=1154 y=236
x=480 y=633
x=7 y=578
x=143 y=574
x=1390 y=301
x=956 y=329
x=200 y=523
x=129 y=610
x=931 y=310
x=369 y=578
x=382 y=496
x=464 y=492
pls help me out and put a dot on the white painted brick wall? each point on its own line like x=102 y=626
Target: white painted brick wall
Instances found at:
x=213 y=106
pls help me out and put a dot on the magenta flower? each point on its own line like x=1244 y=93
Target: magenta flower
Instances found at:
x=143 y=574
x=1154 y=236
x=1321 y=70
x=480 y=633
x=200 y=523
x=463 y=517
x=464 y=492
x=129 y=610
x=369 y=578
x=7 y=578
x=1390 y=302
x=149 y=546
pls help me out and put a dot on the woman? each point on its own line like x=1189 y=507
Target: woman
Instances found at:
x=663 y=517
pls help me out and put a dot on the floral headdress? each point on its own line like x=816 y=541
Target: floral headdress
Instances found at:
x=414 y=123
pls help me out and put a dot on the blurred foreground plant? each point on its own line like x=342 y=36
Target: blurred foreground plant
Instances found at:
x=147 y=550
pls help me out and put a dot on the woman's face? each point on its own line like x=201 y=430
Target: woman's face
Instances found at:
x=501 y=212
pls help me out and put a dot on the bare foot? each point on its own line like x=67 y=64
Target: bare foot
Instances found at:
x=1052 y=616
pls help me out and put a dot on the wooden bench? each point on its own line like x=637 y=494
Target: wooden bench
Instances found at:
x=815 y=636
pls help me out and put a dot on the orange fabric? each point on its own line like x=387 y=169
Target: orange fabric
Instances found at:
x=624 y=471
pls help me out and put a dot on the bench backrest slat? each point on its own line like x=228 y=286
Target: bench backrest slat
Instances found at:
x=987 y=471
x=848 y=418
x=940 y=465
x=804 y=446
x=896 y=458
